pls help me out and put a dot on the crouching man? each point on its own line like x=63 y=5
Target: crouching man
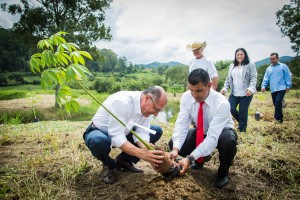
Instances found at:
x=210 y=111
x=131 y=107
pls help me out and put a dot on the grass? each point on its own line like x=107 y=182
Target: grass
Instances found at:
x=49 y=160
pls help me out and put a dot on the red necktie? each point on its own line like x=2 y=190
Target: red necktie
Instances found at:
x=200 y=130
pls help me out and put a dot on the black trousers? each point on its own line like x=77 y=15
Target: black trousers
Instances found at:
x=277 y=98
x=226 y=146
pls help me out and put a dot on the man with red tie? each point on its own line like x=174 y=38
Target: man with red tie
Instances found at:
x=210 y=111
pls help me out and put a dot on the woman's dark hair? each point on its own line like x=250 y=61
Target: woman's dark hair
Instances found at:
x=197 y=76
x=246 y=59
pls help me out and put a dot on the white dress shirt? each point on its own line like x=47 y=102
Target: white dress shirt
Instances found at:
x=126 y=105
x=205 y=64
x=237 y=77
x=216 y=117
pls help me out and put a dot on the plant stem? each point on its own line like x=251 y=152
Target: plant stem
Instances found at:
x=131 y=131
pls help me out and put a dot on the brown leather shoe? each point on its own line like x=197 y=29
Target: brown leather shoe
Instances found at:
x=108 y=176
x=122 y=164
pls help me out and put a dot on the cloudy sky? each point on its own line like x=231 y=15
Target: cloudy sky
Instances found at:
x=145 y=31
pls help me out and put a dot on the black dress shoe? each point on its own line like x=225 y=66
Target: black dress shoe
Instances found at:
x=196 y=166
x=108 y=175
x=221 y=182
x=122 y=164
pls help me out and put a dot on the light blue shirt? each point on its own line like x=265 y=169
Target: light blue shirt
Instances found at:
x=278 y=76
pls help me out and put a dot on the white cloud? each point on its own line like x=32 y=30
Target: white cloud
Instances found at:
x=158 y=30
x=147 y=31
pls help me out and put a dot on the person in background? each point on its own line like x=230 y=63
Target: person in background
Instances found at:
x=278 y=76
x=211 y=111
x=135 y=109
x=200 y=61
x=241 y=78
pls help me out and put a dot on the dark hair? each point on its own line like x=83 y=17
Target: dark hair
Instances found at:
x=276 y=54
x=246 y=59
x=197 y=76
x=155 y=91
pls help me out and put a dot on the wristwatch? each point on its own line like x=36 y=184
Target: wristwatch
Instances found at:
x=191 y=158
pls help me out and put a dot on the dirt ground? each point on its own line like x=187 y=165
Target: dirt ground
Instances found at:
x=39 y=101
x=49 y=160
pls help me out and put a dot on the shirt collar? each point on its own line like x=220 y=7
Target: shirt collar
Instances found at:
x=209 y=98
x=137 y=104
x=276 y=64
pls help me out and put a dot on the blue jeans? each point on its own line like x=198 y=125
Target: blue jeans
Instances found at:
x=240 y=115
x=99 y=144
x=277 y=98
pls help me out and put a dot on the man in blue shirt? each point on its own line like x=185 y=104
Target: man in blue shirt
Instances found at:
x=278 y=76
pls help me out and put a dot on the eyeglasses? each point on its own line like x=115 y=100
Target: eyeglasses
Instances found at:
x=156 y=110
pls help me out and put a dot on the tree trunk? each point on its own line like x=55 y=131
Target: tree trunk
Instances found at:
x=56 y=95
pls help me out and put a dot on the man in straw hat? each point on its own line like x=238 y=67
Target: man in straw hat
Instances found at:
x=200 y=61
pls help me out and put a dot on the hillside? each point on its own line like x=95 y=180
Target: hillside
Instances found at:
x=283 y=59
x=259 y=63
x=157 y=64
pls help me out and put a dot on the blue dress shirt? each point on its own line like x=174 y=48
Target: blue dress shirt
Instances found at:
x=278 y=76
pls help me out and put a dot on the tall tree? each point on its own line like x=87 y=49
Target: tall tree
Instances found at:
x=178 y=75
x=82 y=18
x=13 y=53
x=289 y=23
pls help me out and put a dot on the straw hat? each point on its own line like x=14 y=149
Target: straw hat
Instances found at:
x=195 y=45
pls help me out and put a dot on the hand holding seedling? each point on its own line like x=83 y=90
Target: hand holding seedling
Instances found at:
x=185 y=164
x=154 y=157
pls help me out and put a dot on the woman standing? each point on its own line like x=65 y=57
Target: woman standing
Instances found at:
x=241 y=78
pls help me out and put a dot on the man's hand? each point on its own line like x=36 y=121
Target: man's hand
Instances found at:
x=173 y=154
x=154 y=157
x=223 y=92
x=248 y=93
x=185 y=164
x=287 y=90
x=263 y=89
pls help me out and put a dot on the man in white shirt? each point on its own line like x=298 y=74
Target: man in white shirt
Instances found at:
x=200 y=61
x=217 y=127
x=135 y=109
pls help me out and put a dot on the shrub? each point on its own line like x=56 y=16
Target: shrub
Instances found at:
x=12 y=94
x=3 y=81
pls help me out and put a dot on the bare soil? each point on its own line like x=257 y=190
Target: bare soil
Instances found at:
x=39 y=101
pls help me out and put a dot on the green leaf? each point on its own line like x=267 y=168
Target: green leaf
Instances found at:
x=37 y=55
x=73 y=46
x=45 y=80
x=86 y=54
x=62 y=33
x=74 y=105
x=81 y=60
x=67 y=47
x=61 y=75
x=62 y=40
x=65 y=90
x=34 y=65
x=52 y=74
x=70 y=74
